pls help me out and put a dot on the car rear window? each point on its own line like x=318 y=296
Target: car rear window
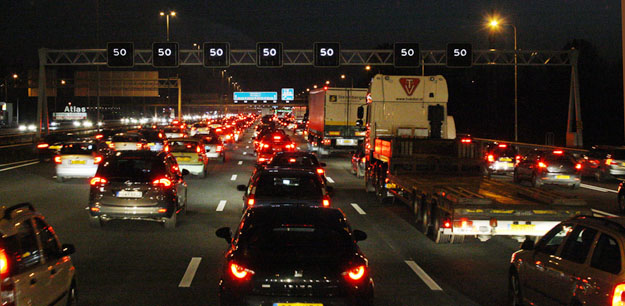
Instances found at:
x=78 y=148
x=152 y=135
x=281 y=160
x=506 y=152
x=288 y=186
x=132 y=168
x=561 y=158
x=172 y=130
x=182 y=146
x=125 y=139
x=324 y=240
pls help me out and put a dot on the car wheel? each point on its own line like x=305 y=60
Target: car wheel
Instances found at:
x=72 y=298
x=621 y=202
x=536 y=181
x=515 y=177
x=171 y=221
x=95 y=222
x=515 y=296
x=437 y=234
x=60 y=179
x=426 y=216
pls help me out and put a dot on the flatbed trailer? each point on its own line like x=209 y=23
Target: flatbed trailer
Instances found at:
x=441 y=181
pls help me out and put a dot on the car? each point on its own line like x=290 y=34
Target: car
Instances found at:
x=604 y=162
x=578 y=262
x=36 y=269
x=298 y=160
x=128 y=141
x=199 y=128
x=359 y=161
x=138 y=185
x=286 y=187
x=549 y=167
x=294 y=256
x=190 y=154
x=50 y=144
x=175 y=132
x=155 y=138
x=500 y=159
x=271 y=144
x=620 y=198
x=79 y=159
x=213 y=146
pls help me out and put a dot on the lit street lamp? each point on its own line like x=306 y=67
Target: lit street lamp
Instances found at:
x=343 y=77
x=327 y=82
x=172 y=14
x=367 y=67
x=494 y=25
x=315 y=86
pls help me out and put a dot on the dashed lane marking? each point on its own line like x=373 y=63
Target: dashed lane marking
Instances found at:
x=597 y=188
x=234 y=177
x=189 y=274
x=221 y=205
x=358 y=209
x=424 y=276
x=602 y=213
x=18 y=166
x=18 y=162
x=240 y=162
x=330 y=180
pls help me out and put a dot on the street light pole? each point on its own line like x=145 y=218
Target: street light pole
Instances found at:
x=167 y=27
x=516 y=88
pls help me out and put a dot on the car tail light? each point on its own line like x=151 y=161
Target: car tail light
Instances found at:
x=240 y=272
x=493 y=222
x=320 y=171
x=161 y=182
x=139 y=146
x=446 y=223
x=277 y=137
x=465 y=140
x=112 y=145
x=503 y=145
x=219 y=148
x=463 y=222
x=98 y=181
x=265 y=146
x=42 y=146
x=363 y=159
x=228 y=136
x=326 y=201
x=97 y=159
x=558 y=152
x=578 y=166
x=542 y=165
x=57 y=159
x=197 y=149
x=250 y=201
x=95 y=209
x=162 y=210
x=166 y=149
x=609 y=161
x=326 y=142
x=160 y=135
x=99 y=136
x=491 y=158
x=356 y=273
x=7 y=287
x=292 y=160
x=618 y=297
x=262 y=159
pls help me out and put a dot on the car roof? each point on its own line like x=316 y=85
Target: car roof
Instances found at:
x=287 y=171
x=138 y=153
x=12 y=214
x=613 y=222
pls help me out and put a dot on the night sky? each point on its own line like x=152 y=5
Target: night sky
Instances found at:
x=542 y=24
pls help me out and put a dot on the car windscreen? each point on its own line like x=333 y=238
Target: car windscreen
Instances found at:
x=288 y=186
x=302 y=161
x=182 y=146
x=132 y=168
x=306 y=240
x=78 y=148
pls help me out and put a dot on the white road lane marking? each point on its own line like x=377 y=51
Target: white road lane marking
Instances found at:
x=234 y=177
x=595 y=188
x=244 y=153
x=240 y=162
x=358 y=209
x=602 y=213
x=18 y=162
x=330 y=179
x=424 y=276
x=188 y=276
x=247 y=147
x=221 y=205
x=18 y=166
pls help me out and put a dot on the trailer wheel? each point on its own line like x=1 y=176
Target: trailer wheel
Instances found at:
x=438 y=235
x=368 y=184
x=426 y=216
x=457 y=239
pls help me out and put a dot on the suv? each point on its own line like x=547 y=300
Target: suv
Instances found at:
x=35 y=268
x=578 y=262
x=138 y=185
x=294 y=256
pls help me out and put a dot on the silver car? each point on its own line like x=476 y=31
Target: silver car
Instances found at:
x=78 y=159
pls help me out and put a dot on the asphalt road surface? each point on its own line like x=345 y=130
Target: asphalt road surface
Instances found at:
x=142 y=263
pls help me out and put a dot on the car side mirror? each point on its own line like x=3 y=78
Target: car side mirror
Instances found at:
x=67 y=249
x=185 y=172
x=322 y=164
x=241 y=187
x=224 y=233
x=359 y=235
x=527 y=245
x=361 y=113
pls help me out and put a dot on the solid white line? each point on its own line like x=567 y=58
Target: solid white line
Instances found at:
x=188 y=276
x=222 y=205
x=597 y=188
x=330 y=179
x=20 y=166
x=424 y=276
x=240 y=162
x=18 y=162
x=358 y=209
x=602 y=213
x=234 y=177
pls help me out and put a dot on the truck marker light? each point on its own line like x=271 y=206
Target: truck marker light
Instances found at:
x=559 y=152
x=503 y=145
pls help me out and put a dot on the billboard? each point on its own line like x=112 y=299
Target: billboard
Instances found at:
x=116 y=84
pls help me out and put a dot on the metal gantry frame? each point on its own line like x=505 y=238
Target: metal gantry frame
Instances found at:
x=245 y=57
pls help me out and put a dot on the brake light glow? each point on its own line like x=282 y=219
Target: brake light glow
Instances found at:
x=218 y=130
x=559 y=152
x=356 y=273
x=277 y=137
x=618 y=298
x=491 y=158
x=292 y=160
x=262 y=159
x=160 y=135
x=98 y=181
x=463 y=222
x=95 y=209
x=139 y=145
x=197 y=149
x=112 y=145
x=466 y=140
x=609 y=162
x=165 y=182
x=162 y=210
x=4 y=263
x=7 y=288
x=265 y=145
x=542 y=165
x=446 y=223
x=578 y=166
x=238 y=271
x=57 y=159
x=166 y=149
x=320 y=171
x=99 y=136
x=42 y=146
x=503 y=145
x=326 y=201
x=250 y=202
x=228 y=136
x=97 y=159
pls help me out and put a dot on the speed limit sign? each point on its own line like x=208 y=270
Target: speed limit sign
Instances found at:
x=165 y=55
x=120 y=54
x=327 y=54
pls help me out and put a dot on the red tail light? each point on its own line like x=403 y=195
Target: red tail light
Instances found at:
x=503 y=145
x=99 y=136
x=446 y=223
x=240 y=272
x=57 y=159
x=160 y=135
x=219 y=148
x=139 y=146
x=609 y=161
x=162 y=182
x=465 y=140
x=356 y=273
x=98 y=181
x=4 y=263
x=542 y=165
x=7 y=287
x=97 y=159
x=491 y=158
x=320 y=171
x=292 y=160
x=228 y=136
x=578 y=166
x=463 y=222
x=112 y=145
x=250 y=201
x=42 y=146
x=265 y=145
x=618 y=297
x=277 y=137
x=558 y=152
x=262 y=159
x=166 y=149
x=326 y=201
x=197 y=149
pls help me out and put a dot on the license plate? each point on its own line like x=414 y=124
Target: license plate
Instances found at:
x=129 y=194
x=78 y=162
x=562 y=177
x=183 y=158
x=390 y=186
x=297 y=304
x=509 y=165
x=522 y=227
x=505 y=159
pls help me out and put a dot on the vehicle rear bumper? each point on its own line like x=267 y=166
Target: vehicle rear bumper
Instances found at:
x=194 y=169
x=76 y=172
x=130 y=212
x=504 y=228
x=259 y=300
x=552 y=179
x=213 y=155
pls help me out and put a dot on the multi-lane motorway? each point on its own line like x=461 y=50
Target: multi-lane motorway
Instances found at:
x=142 y=263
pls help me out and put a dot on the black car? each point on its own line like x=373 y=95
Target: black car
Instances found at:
x=286 y=187
x=294 y=256
x=298 y=160
x=549 y=167
x=138 y=185
x=50 y=144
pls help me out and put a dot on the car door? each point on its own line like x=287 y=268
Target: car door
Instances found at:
x=562 y=272
x=31 y=276
x=525 y=166
x=59 y=268
x=533 y=275
x=599 y=278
